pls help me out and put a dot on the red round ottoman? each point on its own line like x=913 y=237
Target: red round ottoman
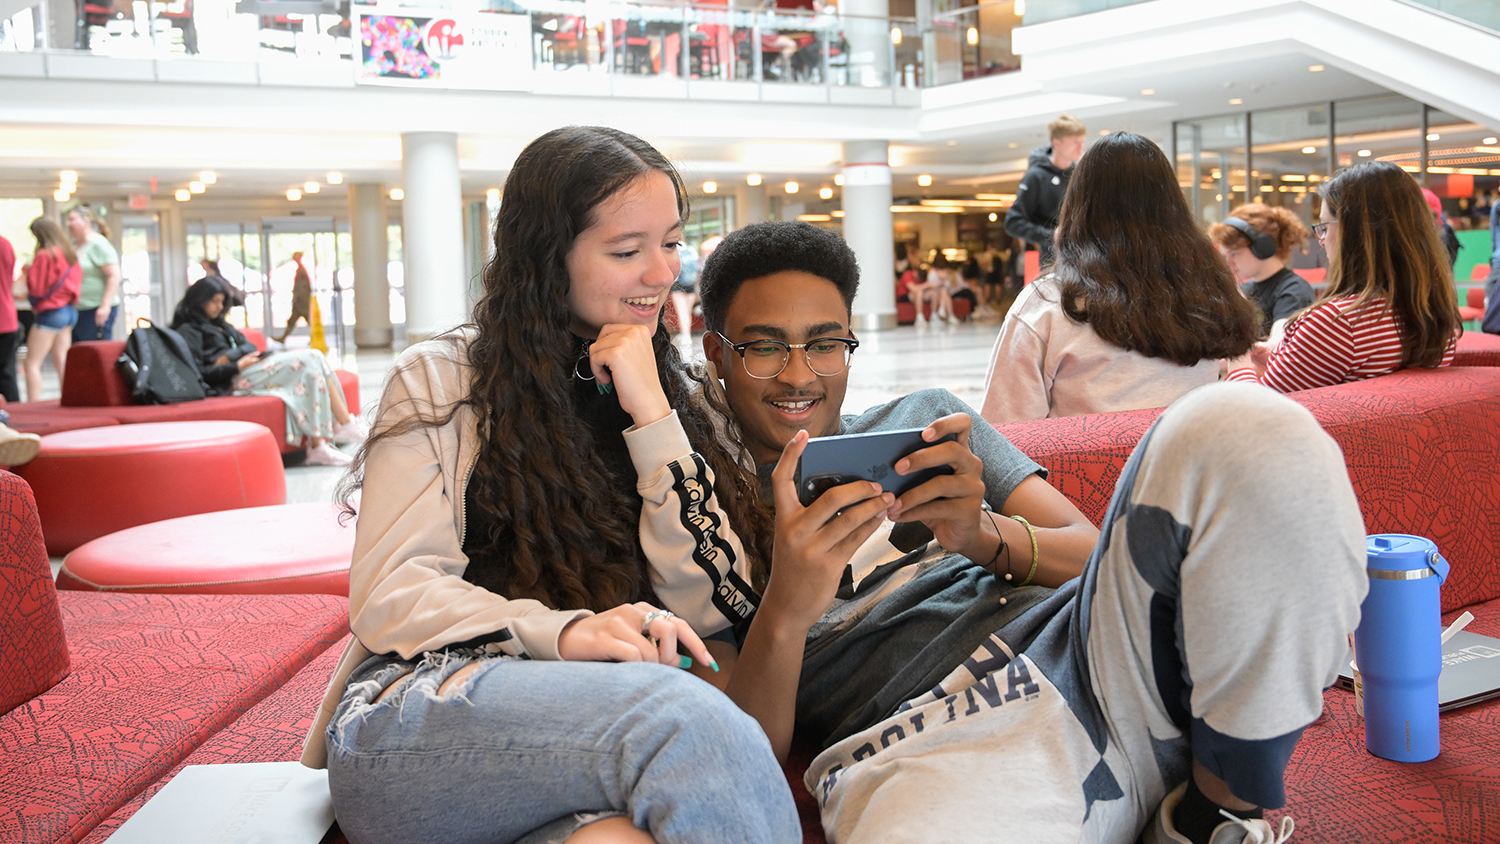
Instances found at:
x=289 y=549
x=96 y=481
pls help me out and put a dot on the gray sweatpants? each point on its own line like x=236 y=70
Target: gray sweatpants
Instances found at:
x=1210 y=617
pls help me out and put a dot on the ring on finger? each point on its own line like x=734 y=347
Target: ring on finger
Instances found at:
x=653 y=616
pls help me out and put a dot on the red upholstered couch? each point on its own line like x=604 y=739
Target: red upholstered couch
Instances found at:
x=104 y=695
x=95 y=394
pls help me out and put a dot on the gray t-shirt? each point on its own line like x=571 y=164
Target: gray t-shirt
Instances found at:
x=907 y=611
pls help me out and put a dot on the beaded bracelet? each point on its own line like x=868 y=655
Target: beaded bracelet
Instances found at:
x=1030 y=531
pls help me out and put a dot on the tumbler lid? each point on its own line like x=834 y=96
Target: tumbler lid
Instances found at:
x=1399 y=552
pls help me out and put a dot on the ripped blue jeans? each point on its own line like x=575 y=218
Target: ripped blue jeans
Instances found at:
x=530 y=750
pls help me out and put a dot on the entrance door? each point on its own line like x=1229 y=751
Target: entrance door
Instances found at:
x=140 y=270
x=323 y=254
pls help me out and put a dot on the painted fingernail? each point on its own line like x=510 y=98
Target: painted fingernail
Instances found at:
x=600 y=387
x=685 y=662
x=609 y=388
x=714 y=666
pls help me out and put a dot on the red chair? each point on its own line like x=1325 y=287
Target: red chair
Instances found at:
x=1033 y=265
x=1313 y=275
x=1473 y=307
x=1480 y=272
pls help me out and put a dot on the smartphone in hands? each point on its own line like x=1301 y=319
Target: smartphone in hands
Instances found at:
x=828 y=462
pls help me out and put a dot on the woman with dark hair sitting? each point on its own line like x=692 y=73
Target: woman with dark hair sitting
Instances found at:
x=1257 y=240
x=1390 y=302
x=534 y=484
x=1139 y=308
x=301 y=378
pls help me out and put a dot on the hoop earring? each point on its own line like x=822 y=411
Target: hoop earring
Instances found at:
x=579 y=375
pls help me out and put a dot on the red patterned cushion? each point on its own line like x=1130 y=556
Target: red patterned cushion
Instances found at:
x=33 y=652
x=1340 y=794
x=1083 y=455
x=50 y=417
x=1475 y=348
x=1421 y=450
x=272 y=731
x=153 y=677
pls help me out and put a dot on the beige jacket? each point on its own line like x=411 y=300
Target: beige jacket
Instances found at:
x=407 y=594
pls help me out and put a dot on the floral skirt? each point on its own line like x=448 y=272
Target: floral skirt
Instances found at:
x=300 y=378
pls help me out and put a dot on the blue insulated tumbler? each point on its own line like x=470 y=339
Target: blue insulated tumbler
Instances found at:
x=1398 y=646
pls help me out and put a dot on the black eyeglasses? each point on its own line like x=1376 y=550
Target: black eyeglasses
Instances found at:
x=1320 y=230
x=765 y=359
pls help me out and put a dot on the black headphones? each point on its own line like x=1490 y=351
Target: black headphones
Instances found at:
x=1262 y=245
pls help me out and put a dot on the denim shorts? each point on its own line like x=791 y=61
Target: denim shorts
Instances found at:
x=58 y=319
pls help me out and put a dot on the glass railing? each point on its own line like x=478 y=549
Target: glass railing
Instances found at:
x=393 y=44
x=1485 y=13
x=974 y=41
x=1040 y=11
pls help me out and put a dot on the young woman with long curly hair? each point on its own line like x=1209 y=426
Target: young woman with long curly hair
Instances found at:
x=1139 y=308
x=529 y=477
x=1390 y=302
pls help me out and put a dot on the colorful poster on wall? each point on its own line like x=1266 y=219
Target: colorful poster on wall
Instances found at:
x=434 y=48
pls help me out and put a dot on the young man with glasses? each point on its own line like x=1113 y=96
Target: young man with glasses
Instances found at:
x=957 y=697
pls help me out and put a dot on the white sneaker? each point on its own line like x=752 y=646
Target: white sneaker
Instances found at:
x=327 y=455
x=352 y=432
x=17 y=448
x=1233 y=831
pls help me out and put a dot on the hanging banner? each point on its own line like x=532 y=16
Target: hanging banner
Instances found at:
x=439 y=48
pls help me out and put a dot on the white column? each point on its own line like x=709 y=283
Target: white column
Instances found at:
x=371 y=247
x=867 y=229
x=432 y=234
x=750 y=205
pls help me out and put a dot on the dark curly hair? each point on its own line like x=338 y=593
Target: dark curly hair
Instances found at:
x=566 y=534
x=763 y=249
x=1136 y=267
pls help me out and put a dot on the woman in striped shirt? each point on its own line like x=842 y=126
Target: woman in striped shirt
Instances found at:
x=1390 y=302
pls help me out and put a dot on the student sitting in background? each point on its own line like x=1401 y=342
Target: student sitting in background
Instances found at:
x=956 y=699
x=1139 y=308
x=1390 y=302
x=1257 y=240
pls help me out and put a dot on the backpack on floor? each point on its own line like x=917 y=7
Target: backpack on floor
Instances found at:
x=159 y=366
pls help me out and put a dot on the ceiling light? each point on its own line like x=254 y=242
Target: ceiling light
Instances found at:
x=1103 y=132
x=838 y=179
x=1364 y=153
x=792 y=187
x=492 y=195
x=1434 y=136
x=68 y=176
x=972 y=36
x=753 y=180
x=710 y=187
x=1236 y=101
x=1315 y=68
x=994 y=217
x=310 y=187
x=197 y=187
x=397 y=194
x=208 y=177
x=1011 y=145
x=896 y=35
x=825 y=193
x=62 y=196
x=1020 y=8
x=1309 y=150
x=335 y=177
x=1491 y=140
x=183 y=194
x=924 y=180
x=293 y=194
x=1146 y=92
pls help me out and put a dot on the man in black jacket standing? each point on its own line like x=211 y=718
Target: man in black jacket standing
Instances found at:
x=1033 y=216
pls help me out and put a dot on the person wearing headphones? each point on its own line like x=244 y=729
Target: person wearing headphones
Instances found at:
x=1256 y=240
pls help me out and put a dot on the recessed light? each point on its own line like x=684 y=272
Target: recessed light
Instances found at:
x=1491 y=140
x=1315 y=68
x=710 y=187
x=69 y=176
x=293 y=194
x=1146 y=92
x=1012 y=145
x=397 y=194
x=1309 y=150
x=838 y=179
x=1103 y=132
x=753 y=179
x=994 y=217
x=1236 y=101
x=61 y=195
x=492 y=195
x=183 y=195
x=197 y=187
x=335 y=177
x=310 y=187
x=208 y=177
x=1364 y=153
x=826 y=193
x=792 y=187
x=924 y=180
x=1434 y=136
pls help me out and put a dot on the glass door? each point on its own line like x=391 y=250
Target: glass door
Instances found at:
x=315 y=243
x=140 y=270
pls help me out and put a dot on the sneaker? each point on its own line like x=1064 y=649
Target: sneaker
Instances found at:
x=327 y=455
x=1233 y=831
x=17 y=448
x=352 y=432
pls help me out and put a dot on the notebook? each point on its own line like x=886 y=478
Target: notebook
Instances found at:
x=284 y=802
x=1471 y=671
